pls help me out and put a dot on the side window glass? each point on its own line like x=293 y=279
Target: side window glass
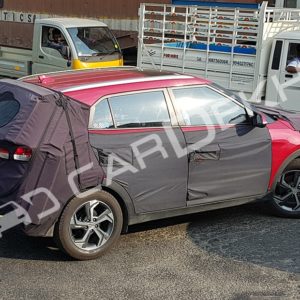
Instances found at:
x=293 y=58
x=204 y=106
x=147 y=109
x=54 y=42
x=102 y=118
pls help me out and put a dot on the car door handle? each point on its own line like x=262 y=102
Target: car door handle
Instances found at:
x=41 y=56
x=200 y=155
x=289 y=76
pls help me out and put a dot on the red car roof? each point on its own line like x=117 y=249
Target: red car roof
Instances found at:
x=88 y=86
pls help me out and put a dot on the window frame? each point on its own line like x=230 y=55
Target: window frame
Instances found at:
x=43 y=48
x=180 y=118
x=169 y=106
x=278 y=50
x=288 y=50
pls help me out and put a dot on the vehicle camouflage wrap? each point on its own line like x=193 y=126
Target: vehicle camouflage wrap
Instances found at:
x=55 y=128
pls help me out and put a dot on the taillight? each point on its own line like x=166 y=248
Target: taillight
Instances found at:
x=4 y=153
x=23 y=154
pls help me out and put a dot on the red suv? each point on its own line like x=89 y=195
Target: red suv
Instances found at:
x=88 y=153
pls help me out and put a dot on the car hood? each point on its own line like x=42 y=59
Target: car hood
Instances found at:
x=292 y=117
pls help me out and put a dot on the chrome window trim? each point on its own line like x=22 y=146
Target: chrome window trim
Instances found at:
x=125 y=81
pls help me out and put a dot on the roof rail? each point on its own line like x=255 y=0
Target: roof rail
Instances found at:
x=74 y=71
x=125 y=81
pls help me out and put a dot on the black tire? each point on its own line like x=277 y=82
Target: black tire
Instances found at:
x=64 y=232
x=273 y=203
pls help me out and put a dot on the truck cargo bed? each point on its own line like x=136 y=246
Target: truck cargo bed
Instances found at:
x=15 y=62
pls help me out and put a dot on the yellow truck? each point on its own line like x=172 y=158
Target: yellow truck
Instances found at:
x=60 y=44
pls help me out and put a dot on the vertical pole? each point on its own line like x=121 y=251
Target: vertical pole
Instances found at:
x=141 y=36
x=233 y=44
x=185 y=37
x=259 y=48
x=208 y=41
x=163 y=38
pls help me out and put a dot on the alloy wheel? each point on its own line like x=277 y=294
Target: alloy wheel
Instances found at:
x=92 y=225
x=287 y=193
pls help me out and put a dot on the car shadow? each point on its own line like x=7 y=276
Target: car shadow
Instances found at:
x=16 y=245
x=246 y=233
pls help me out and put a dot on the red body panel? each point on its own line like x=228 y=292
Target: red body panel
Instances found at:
x=124 y=131
x=113 y=77
x=90 y=96
x=285 y=141
x=203 y=128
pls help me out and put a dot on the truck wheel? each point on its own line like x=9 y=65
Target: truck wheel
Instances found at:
x=286 y=197
x=89 y=226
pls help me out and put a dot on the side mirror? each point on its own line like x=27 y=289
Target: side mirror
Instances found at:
x=258 y=121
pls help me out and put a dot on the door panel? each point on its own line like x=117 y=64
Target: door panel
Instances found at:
x=228 y=157
x=49 y=58
x=162 y=184
x=236 y=164
x=137 y=120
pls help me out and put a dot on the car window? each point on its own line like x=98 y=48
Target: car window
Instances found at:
x=145 y=109
x=293 y=57
x=9 y=108
x=102 y=116
x=205 y=106
x=54 y=42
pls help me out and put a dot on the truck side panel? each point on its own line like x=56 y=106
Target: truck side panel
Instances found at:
x=13 y=34
x=15 y=62
x=230 y=46
x=193 y=61
x=221 y=44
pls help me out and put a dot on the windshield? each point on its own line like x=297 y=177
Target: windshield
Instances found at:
x=93 y=41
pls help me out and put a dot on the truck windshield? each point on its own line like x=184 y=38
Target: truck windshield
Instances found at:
x=93 y=41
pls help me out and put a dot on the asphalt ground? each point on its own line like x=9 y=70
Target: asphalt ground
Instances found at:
x=237 y=253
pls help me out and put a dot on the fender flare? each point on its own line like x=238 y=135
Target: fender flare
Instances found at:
x=118 y=190
x=285 y=163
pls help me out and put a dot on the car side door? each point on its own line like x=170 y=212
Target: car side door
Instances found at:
x=132 y=127
x=228 y=157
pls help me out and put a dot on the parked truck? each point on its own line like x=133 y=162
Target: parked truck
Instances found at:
x=243 y=50
x=62 y=43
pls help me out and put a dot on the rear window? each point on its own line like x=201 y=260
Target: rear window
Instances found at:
x=9 y=108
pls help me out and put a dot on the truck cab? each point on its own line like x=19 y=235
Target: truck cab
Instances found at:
x=81 y=44
x=285 y=50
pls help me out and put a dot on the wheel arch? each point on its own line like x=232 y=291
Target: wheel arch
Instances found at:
x=117 y=191
x=124 y=200
x=283 y=166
